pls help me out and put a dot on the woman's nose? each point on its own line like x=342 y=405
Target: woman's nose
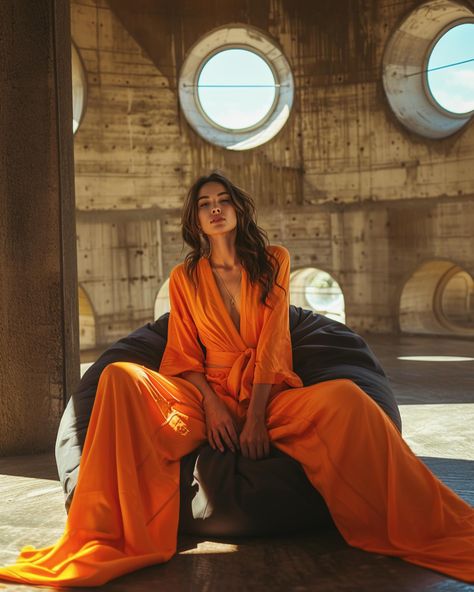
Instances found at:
x=216 y=209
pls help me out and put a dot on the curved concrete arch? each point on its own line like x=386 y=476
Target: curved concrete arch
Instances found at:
x=429 y=295
x=79 y=88
x=87 y=320
x=317 y=289
x=455 y=300
x=162 y=300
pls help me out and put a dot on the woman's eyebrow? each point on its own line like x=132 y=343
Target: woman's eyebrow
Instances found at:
x=207 y=196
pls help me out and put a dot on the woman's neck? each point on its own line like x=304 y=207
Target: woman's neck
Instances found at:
x=223 y=251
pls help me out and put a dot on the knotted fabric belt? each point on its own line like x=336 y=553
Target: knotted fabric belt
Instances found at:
x=242 y=367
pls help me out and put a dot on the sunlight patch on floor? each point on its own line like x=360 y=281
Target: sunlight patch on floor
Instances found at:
x=435 y=358
x=440 y=430
x=211 y=547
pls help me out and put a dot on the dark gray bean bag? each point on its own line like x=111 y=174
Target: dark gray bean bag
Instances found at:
x=227 y=494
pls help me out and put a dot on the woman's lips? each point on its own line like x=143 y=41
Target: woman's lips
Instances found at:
x=219 y=219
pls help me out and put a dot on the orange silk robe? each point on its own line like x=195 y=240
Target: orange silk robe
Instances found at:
x=125 y=510
x=259 y=353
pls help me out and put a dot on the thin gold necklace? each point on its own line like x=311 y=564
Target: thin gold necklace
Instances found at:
x=232 y=299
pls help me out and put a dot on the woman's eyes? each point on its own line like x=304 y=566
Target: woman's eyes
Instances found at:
x=207 y=203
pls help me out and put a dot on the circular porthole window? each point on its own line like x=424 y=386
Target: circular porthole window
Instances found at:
x=450 y=72
x=428 y=69
x=78 y=89
x=236 y=88
x=439 y=299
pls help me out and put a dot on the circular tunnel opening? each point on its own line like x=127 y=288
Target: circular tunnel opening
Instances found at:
x=317 y=290
x=438 y=298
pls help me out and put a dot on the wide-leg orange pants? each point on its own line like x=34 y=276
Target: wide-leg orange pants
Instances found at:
x=125 y=510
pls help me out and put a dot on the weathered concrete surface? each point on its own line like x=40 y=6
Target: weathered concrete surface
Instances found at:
x=38 y=305
x=344 y=186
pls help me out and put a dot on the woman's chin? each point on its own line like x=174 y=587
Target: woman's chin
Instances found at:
x=220 y=229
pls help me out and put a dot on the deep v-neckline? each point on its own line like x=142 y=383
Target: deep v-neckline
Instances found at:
x=215 y=288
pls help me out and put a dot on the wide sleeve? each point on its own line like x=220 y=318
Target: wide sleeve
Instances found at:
x=183 y=352
x=274 y=355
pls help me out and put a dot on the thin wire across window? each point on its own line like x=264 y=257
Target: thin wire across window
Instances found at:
x=450 y=72
x=236 y=89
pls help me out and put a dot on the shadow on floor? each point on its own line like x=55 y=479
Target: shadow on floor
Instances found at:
x=426 y=382
x=321 y=562
x=458 y=474
x=38 y=466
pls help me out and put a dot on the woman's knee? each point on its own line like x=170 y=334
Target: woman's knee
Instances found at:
x=122 y=371
x=343 y=395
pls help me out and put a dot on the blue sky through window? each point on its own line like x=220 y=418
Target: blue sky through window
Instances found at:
x=236 y=88
x=453 y=87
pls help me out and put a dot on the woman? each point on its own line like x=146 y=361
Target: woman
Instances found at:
x=238 y=392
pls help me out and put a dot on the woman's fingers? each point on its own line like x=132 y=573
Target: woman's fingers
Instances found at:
x=233 y=436
x=256 y=449
x=247 y=448
x=211 y=440
x=244 y=449
x=217 y=440
x=266 y=448
x=221 y=429
x=227 y=439
x=253 y=450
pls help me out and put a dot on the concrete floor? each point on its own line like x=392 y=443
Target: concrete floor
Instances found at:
x=437 y=404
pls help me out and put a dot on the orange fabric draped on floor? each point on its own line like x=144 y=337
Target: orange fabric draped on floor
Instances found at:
x=125 y=510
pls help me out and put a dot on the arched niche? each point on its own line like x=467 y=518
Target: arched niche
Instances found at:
x=87 y=332
x=317 y=290
x=438 y=298
x=162 y=302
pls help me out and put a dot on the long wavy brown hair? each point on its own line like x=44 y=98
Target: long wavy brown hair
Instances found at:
x=250 y=243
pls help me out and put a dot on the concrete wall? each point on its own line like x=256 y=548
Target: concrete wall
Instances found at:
x=344 y=186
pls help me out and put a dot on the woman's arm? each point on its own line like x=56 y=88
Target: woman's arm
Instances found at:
x=254 y=440
x=183 y=351
x=199 y=381
x=274 y=361
x=258 y=402
x=221 y=429
x=274 y=355
x=184 y=356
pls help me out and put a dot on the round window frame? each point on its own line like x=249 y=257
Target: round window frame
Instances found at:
x=406 y=55
x=236 y=36
x=426 y=85
x=265 y=118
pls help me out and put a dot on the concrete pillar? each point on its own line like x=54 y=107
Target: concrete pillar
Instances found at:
x=39 y=346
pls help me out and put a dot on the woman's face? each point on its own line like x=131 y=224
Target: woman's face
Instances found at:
x=216 y=212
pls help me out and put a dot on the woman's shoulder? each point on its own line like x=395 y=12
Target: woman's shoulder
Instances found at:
x=181 y=278
x=279 y=251
x=178 y=273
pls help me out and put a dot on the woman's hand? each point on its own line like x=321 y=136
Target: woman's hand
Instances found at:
x=220 y=424
x=254 y=440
